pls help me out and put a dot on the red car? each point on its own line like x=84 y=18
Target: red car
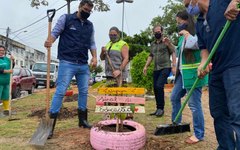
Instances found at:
x=22 y=80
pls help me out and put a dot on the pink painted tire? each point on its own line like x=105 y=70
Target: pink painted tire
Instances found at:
x=133 y=140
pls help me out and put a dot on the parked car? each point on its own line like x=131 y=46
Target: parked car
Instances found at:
x=100 y=78
x=40 y=72
x=22 y=80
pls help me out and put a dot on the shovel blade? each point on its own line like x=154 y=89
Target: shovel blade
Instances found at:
x=172 y=129
x=40 y=136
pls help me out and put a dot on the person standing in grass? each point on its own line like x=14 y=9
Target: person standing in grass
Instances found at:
x=5 y=71
x=76 y=39
x=118 y=52
x=161 y=50
x=224 y=77
x=188 y=54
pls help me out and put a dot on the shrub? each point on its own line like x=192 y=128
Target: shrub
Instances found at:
x=138 y=78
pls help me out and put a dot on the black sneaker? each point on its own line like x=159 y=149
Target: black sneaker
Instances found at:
x=159 y=112
x=153 y=114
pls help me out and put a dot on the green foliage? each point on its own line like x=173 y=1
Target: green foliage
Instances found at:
x=121 y=116
x=168 y=20
x=98 y=84
x=138 y=77
x=69 y=87
x=138 y=43
x=99 y=5
x=96 y=70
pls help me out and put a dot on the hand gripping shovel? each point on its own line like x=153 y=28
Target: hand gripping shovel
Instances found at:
x=45 y=126
x=119 y=78
x=180 y=128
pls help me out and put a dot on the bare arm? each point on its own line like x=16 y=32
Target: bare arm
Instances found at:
x=149 y=60
x=94 y=58
x=174 y=59
x=174 y=63
x=6 y=71
x=204 y=56
x=102 y=55
x=125 y=55
x=172 y=49
x=48 y=43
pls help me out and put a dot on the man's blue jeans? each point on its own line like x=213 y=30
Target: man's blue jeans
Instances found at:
x=194 y=104
x=224 y=94
x=65 y=74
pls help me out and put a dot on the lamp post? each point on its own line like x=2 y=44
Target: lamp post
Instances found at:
x=68 y=5
x=123 y=1
x=19 y=33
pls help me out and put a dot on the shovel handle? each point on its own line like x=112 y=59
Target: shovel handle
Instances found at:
x=219 y=39
x=51 y=14
x=119 y=78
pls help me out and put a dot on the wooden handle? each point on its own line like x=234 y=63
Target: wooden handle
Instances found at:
x=48 y=69
x=119 y=78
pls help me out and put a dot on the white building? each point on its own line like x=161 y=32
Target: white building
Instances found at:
x=25 y=56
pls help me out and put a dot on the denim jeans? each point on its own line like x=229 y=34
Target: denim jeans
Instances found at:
x=159 y=79
x=65 y=74
x=224 y=94
x=194 y=104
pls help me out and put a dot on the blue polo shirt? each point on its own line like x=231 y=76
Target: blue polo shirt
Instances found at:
x=228 y=52
x=202 y=31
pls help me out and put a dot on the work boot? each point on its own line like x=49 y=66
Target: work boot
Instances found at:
x=54 y=117
x=82 y=117
x=159 y=113
x=6 y=112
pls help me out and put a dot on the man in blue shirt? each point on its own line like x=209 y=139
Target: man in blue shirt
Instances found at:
x=76 y=38
x=224 y=79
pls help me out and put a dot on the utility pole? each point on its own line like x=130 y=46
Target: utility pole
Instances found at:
x=68 y=5
x=7 y=38
x=123 y=1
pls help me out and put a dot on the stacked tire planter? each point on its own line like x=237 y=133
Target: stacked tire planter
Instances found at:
x=133 y=140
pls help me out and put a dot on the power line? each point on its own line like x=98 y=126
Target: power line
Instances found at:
x=37 y=21
x=36 y=31
x=31 y=32
x=43 y=12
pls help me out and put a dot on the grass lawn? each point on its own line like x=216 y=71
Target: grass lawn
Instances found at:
x=16 y=134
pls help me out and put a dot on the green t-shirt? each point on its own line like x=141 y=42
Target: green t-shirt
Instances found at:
x=5 y=65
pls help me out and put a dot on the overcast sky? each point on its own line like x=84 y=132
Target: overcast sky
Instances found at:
x=17 y=14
